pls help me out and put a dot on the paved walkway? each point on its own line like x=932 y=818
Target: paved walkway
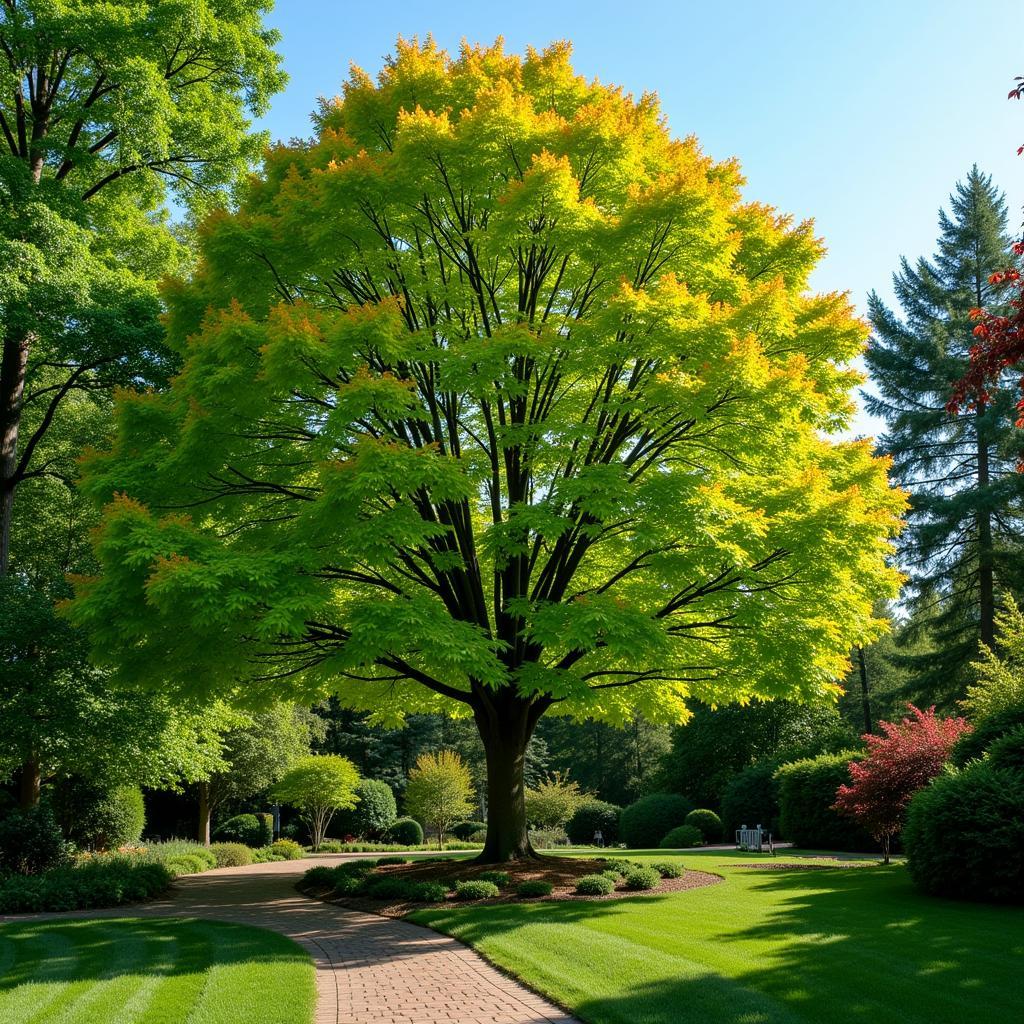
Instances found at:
x=369 y=969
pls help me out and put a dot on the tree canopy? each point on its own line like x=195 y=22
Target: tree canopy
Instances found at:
x=496 y=399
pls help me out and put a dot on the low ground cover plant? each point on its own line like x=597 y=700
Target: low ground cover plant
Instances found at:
x=594 y=885
x=534 y=888
x=107 y=881
x=475 y=889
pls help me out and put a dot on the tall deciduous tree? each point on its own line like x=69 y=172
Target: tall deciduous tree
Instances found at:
x=439 y=792
x=103 y=107
x=967 y=503
x=497 y=400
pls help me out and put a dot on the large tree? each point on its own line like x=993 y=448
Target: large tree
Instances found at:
x=496 y=400
x=104 y=108
x=963 y=544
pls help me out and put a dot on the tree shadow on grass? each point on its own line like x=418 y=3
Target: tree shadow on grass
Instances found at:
x=98 y=949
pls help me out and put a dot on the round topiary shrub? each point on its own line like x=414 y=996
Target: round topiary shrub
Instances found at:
x=642 y=824
x=465 y=830
x=615 y=876
x=707 y=822
x=499 y=878
x=642 y=878
x=964 y=835
x=593 y=816
x=682 y=838
x=405 y=832
x=231 y=855
x=428 y=892
x=372 y=816
x=473 y=889
x=594 y=885
x=533 y=888
x=668 y=870
x=242 y=828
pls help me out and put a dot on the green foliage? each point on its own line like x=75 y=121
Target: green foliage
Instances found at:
x=643 y=878
x=464 y=507
x=552 y=802
x=31 y=841
x=1008 y=751
x=428 y=892
x=973 y=745
x=287 y=849
x=751 y=798
x=320 y=878
x=962 y=543
x=593 y=816
x=318 y=785
x=669 y=869
x=594 y=885
x=999 y=688
x=533 y=888
x=185 y=850
x=466 y=829
x=807 y=794
x=374 y=813
x=707 y=822
x=499 y=878
x=682 y=837
x=382 y=861
x=475 y=890
x=232 y=855
x=406 y=832
x=964 y=835
x=642 y=824
x=439 y=791
x=103 y=882
x=95 y=818
x=242 y=828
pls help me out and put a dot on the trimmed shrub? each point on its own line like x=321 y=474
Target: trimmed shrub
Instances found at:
x=331 y=846
x=807 y=793
x=594 y=816
x=667 y=869
x=964 y=835
x=161 y=853
x=534 y=888
x=643 y=878
x=429 y=892
x=100 y=882
x=615 y=876
x=405 y=832
x=707 y=822
x=287 y=849
x=372 y=816
x=620 y=865
x=682 y=838
x=319 y=878
x=185 y=864
x=594 y=885
x=362 y=866
x=232 y=855
x=266 y=823
x=642 y=824
x=499 y=878
x=348 y=885
x=974 y=744
x=472 y=889
x=31 y=841
x=381 y=861
x=384 y=887
x=242 y=828
x=545 y=838
x=465 y=830
x=98 y=819
x=1008 y=751
x=265 y=855
x=751 y=798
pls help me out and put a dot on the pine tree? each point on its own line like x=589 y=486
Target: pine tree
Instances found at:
x=962 y=545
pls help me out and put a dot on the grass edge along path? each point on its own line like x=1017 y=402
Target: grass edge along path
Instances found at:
x=122 y=970
x=849 y=945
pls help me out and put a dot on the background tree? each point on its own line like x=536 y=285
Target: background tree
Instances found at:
x=318 y=785
x=439 y=792
x=374 y=813
x=963 y=542
x=552 y=802
x=448 y=367
x=904 y=759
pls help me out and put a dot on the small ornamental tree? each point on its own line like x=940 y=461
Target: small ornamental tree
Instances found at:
x=440 y=791
x=906 y=757
x=553 y=802
x=318 y=786
x=496 y=399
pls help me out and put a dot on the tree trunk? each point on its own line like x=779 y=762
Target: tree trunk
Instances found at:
x=506 y=725
x=886 y=841
x=30 y=783
x=986 y=574
x=865 y=698
x=13 y=367
x=205 y=814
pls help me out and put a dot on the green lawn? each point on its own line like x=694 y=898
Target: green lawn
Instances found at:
x=842 y=946
x=151 y=971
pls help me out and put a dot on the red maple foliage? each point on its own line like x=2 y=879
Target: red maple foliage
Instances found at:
x=904 y=759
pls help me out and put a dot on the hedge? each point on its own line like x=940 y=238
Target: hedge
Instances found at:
x=594 y=816
x=751 y=798
x=102 y=882
x=807 y=792
x=646 y=822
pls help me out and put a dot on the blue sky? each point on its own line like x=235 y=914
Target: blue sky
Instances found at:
x=859 y=115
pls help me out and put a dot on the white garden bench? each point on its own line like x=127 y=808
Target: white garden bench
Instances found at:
x=756 y=840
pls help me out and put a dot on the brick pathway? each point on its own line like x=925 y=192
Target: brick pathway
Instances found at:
x=369 y=969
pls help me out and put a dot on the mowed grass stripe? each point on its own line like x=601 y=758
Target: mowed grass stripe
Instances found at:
x=152 y=971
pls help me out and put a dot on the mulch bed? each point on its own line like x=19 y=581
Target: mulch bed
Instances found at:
x=561 y=872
